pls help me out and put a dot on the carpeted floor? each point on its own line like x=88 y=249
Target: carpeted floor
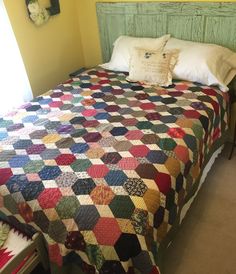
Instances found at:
x=206 y=242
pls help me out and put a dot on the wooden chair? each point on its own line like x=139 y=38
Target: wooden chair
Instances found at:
x=25 y=257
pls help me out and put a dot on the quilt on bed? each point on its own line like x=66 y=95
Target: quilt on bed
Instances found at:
x=101 y=166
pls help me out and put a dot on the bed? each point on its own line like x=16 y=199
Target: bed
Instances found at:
x=102 y=166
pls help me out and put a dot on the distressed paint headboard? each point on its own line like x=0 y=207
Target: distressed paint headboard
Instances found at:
x=195 y=21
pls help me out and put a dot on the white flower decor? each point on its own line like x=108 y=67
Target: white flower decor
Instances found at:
x=37 y=14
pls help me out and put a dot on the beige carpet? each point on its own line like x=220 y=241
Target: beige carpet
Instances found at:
x=206 y=242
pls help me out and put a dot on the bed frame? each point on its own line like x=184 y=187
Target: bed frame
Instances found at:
x=196 y=21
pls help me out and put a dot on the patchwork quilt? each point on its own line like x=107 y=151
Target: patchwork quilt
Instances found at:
x=102 y=166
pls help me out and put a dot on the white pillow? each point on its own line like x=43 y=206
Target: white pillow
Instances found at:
x=124 y=46
x=208 y=64
x=152 y=67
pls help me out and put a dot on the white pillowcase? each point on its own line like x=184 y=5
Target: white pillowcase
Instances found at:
x=208 y=64
x=124 y=46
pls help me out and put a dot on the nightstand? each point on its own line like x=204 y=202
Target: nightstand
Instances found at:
x=232 y=117
x=77 y=72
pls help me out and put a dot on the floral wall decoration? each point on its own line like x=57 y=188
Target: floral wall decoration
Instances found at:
x=39 y=15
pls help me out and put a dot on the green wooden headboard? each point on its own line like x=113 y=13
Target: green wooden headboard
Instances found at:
x=195 y=21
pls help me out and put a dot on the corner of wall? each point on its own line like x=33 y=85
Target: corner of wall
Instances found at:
x=87 y=21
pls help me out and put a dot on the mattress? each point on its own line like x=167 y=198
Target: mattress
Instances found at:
x=205 y=172
x=102 y=167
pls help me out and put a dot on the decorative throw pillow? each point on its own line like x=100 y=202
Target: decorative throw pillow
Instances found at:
x=152 y=67
x=208 y=64
x=124 y=46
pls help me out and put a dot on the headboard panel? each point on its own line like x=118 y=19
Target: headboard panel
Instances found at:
x=199 y=21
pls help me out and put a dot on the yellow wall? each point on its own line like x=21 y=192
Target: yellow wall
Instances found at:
x=89 y=28
x=68 y=41
x=50 y=51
